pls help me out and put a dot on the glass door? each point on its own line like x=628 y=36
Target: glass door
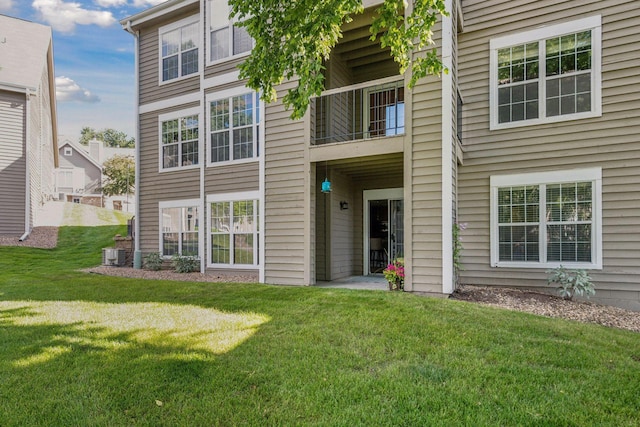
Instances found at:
x=384 y=229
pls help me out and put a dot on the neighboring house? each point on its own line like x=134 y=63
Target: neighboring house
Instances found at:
x=531 y=139
x=80 y=175
x=28 y=123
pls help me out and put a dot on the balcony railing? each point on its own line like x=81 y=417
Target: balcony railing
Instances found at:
x=358 y=112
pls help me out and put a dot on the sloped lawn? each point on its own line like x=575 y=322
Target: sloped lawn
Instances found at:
x=81 y=349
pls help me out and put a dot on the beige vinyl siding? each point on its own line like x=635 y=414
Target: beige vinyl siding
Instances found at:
x=232 y=178
x=12 y=163
x=425 y=160
x=158 y=186
x=35 y=151
x=149 y=75
x=610 y=142
x=285 y=186
x=221 y=67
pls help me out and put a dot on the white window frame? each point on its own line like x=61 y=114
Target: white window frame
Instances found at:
x=258 y=126
x=172 y=27
x=542 y=178
x=541 y=34
x=195 y=111
x=68 y=151
x=186 y=203
x=210 y=30
x=258 y=241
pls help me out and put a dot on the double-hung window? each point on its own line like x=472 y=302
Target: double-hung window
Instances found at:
x=235 y=128
x=547 y=74
x=179 y=49
x=227 y=39
x=547 y=219
x=179 y=224
x=234 y=231
x=179 y=139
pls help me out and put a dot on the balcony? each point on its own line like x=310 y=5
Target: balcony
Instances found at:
x=373 y=109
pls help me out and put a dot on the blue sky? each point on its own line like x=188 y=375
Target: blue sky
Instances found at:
x=94 y=59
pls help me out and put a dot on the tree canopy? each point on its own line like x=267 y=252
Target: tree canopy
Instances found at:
x=120 y=174
x=111 y=137
x=292 y=39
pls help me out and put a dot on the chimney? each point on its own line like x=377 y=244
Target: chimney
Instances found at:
x=96 y=149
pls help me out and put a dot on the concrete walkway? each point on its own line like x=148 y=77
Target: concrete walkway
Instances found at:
x=374 y=282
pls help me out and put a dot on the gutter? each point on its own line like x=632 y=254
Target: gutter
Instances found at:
x=137 y=254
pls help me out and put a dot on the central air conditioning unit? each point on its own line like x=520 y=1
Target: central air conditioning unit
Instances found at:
x=113 y=257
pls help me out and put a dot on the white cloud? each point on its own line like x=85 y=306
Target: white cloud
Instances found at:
x=111 y=3
x=65 y=16
x=6 y=4
x=67 y=90
x=144 y=3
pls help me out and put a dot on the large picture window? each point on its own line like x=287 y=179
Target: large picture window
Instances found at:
x=179 y=50
x=227 y=39
x=179 y=229
x=235 y=230
x=179 y=139
x=547 y=219
x=235 y=128
x=548 y=74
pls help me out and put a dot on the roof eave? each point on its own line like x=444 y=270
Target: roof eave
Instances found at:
x=155 y=12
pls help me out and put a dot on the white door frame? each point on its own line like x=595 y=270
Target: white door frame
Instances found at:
x=367 y=196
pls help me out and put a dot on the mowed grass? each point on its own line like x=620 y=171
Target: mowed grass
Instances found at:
x=83 y=349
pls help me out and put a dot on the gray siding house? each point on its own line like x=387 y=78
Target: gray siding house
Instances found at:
x=28 y=123
x=531 y=140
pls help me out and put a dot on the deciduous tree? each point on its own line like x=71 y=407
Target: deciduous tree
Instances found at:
x=292 y=39
x=120 y=174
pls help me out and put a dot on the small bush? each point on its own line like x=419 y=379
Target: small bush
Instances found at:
x=185 y=264
x=572 y=282
x=153 y=261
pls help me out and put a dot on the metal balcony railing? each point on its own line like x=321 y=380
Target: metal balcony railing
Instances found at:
x=363 y=111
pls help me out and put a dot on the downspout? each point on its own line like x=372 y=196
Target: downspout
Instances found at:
x=137 y=255
x=202 y=148
x=27 y=159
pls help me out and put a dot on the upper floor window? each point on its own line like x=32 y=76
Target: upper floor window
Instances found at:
x=235 y=127
x=68 y=151
x=226 y=39
x=547 y=74
x=179 y=139
x=547 y=219
x=179 y=49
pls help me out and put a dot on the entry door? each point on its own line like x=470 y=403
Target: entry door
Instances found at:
x=384 y=228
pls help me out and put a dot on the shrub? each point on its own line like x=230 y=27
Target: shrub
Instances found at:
x=394 y=273
x=185 y=264
x=572 y=282
x=153 y=261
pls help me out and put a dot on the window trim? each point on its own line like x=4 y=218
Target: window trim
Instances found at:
x=184 y=203
x=593 y=23
x=68 y=151
x=254 y=196
x=210 y=29
x=195 y=111
x=552 y=177
x=194 y=19
x=259 y=135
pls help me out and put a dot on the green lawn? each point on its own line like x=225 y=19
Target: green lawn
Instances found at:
x=81 y=349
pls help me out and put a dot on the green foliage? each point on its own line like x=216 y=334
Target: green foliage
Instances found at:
x=153 y=261
x=394 y=274
x=120 y=175
x=185 y=264
x=111 y=137
x=457 y=247
x=572 y=282
x=292 y=40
